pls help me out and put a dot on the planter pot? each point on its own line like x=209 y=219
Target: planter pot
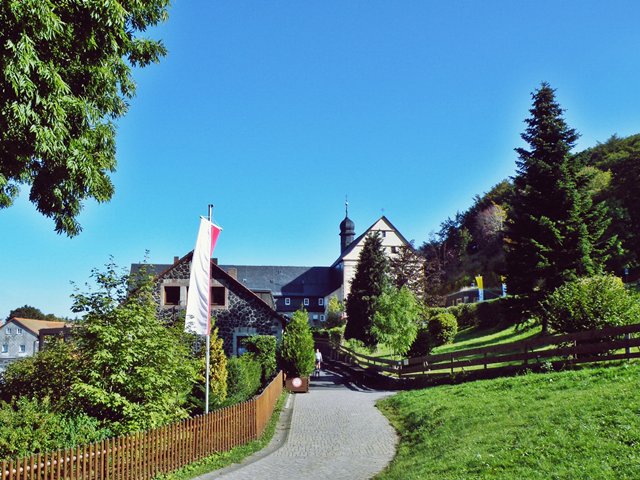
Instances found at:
x=297 y=384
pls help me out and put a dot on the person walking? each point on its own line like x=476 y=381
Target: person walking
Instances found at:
x=318 y=362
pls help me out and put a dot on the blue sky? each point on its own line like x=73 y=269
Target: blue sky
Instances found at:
x=273 y=111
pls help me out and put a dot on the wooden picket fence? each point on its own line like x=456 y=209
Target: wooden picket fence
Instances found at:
x=593 y=346
x=145 y=455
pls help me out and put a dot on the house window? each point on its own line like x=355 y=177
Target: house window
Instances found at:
x=287 y=301
x=384 y=233
x=23 y=348
x=321 y=302
x=394 y=249
x=306 y=302
x=172 y=295
x=322 y=318
x=218 y=296
x=465 y=300
x=241 y=346
x=18 y=331
x=5 y=348
x=9 y=331
x=315 y=316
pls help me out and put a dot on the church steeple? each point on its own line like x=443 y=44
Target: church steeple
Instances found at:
x=347 y=229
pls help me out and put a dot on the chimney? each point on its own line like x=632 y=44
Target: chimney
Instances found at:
x=233 y=273
x=176 y=260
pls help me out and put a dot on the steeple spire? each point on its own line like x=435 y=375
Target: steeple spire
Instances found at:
x=347 y=228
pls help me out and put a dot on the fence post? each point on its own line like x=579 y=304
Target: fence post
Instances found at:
x=451 y=363
x=485 y=360
x=627 y=349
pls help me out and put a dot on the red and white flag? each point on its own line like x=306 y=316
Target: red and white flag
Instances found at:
x=198 y=317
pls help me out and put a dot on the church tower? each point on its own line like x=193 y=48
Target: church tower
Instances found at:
x=347 y=229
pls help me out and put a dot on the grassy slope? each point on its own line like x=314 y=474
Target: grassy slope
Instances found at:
x=568 y=425
x=473 y=337
x=477 y=337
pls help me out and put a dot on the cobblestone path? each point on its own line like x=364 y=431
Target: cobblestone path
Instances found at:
x=335 y=432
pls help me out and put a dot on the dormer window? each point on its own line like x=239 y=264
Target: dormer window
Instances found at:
x=321 y=302
x=287 y=301
x=306 y=302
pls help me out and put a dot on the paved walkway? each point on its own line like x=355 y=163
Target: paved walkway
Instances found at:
x=334 y=432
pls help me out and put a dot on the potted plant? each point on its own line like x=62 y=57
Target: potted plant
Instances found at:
x=297 y=355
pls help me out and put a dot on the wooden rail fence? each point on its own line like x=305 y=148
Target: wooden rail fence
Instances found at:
x=145 y=455
x=612 y=343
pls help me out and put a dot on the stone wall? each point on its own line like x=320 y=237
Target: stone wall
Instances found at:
x=244 y=314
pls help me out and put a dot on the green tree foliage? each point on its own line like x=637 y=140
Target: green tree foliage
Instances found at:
x=218 y=373
x=136 y=373
x=27 y=311
x=591 y=302
x=554 y=230
x=407 y=269
x=263 y=349
x=31 y=425
x=469 y=243
x=620 y=158
x=244 y=378
x=297 y=354
x=49 y=374
x=421 y=345
x=367 y=285
x=65 y=78
x=395 y=322
x=335 y=313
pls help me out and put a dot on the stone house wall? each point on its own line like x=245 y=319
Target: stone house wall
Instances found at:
x=243 y=314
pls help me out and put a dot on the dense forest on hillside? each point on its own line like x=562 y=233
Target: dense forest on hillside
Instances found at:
x=471 y=242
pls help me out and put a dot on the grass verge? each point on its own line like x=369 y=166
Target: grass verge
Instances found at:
x=235 y=455
x=582 y=424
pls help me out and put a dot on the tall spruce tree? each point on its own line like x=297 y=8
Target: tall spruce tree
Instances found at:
x=367 y=285
x=554 y=230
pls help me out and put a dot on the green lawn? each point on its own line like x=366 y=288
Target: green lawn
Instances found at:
x=568 y=425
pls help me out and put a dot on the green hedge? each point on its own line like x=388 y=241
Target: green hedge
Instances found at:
x=263 y=349
x=244 y=378
x=591 y=302
x=30 y=426
x=499 y=311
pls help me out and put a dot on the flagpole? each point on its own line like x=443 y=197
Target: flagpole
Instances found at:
x=208 y=342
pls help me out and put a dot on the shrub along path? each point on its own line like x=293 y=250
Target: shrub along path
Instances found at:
x=335 y=432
